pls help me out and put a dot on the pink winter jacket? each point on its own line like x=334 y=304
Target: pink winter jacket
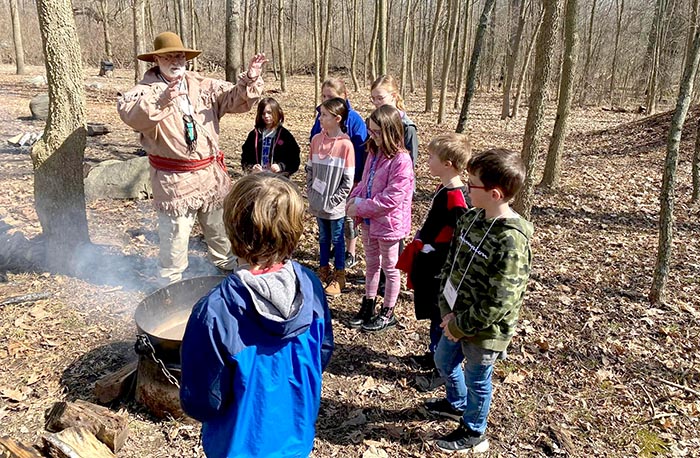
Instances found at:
x=389 y=206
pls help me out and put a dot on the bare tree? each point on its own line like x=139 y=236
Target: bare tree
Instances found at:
x=406 y=41
x=233 y=39
x=526 y=62
x=695 y=196
x=139 y=40
x=353 y=48
x=452 y=14
x=259 y=30
x=474 y=64
x=535 y=116
x=657 y=294
x=652 y=82
x=463 y=50
x=619 y=9
x=105 y=29
x=431 y=57
x=585 y=81
x=382 y=44
x=326 y=48
x=315 y=23
x=58 y=156
x=552 y=168
x=372 y=51
x=193 y=32
x=17 y=37
x=280 y=45
x=518 y=13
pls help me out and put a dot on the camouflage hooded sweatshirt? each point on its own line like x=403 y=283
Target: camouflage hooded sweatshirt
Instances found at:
x=489 y=266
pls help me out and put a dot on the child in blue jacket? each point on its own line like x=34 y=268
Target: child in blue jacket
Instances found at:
x=255 y=346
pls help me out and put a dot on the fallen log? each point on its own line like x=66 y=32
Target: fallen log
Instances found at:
x=10 y=448
x=25 y=298
x=109 y=427
x=75 y=442
x=117 y=384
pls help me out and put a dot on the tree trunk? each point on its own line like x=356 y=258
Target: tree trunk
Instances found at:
x=280 y=46
x=431 y=57
x=371 y=53
x=657 y=294
x=523 y=70
x=474 y=64
x=327 y=41
x=105 y=30
x=695 y=196
x=140 y=66
x=490 y=50
x=453 y=14
x=620 y=9
x=149 y=28
x=182 y=16
x=585 y=82
x=552 y=168
x=270 y=37
x=193 y=33
x=411 y=59
x=57 y=157
x=315 y=24
x=233 y=39
x=246 y=31
x=652 y=83
x=17 y=37
x=383 y=45
x=462 y=70
x=353 y=47
x=535 y=116
x=518 y=7
x=406 y=44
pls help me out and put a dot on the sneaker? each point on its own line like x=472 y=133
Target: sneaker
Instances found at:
x=463 y=440
x=431 y=382
x=384 y=320
x=443 y=408
x=350 y=260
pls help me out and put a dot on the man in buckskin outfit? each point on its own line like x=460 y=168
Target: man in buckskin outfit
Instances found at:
x=177 y=113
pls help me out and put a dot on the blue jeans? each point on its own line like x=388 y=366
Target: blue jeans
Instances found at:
x=331 y=231
x=469 y=389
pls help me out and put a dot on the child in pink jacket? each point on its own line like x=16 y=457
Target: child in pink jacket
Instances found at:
x=381 y=202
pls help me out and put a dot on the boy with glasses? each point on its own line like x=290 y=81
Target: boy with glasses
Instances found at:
x=483 y=284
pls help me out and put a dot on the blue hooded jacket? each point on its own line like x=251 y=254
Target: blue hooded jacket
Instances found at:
x=357 y=131
x=254 y=381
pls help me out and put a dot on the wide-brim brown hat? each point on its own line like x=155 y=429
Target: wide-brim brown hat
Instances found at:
x=168 y=42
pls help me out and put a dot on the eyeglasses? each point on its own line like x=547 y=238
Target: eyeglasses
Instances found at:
x=379 y=98
x=473 y=186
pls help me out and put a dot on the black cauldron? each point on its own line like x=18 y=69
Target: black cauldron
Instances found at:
x=162 y=316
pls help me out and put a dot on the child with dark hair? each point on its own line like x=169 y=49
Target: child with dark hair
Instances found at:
x=270 y=146
x=329 y=179
x=483 y=285
x=255 y=346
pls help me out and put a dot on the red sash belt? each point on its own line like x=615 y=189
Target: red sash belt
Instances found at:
x=168 y=164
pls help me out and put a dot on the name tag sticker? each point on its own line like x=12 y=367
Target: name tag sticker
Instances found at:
x=450 y=294
x=319 y=186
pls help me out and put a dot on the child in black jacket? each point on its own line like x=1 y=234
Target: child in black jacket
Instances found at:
x=270 y=146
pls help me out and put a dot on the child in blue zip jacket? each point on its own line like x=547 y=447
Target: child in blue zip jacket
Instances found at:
x=255 y=347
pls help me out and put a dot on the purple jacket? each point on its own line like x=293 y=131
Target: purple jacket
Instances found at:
x=388 y=207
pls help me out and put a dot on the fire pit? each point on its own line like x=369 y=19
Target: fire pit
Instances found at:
x=160 y=320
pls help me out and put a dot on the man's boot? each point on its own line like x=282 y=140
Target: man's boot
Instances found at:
x=365 y=314
x=324 y=274
x=337 y=283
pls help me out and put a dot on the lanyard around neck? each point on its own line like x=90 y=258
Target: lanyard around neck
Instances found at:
x=474 y=250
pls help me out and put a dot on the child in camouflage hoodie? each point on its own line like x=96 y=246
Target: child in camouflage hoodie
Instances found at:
x=483 y=284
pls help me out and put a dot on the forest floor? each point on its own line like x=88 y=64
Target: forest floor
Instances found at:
x=594 y=369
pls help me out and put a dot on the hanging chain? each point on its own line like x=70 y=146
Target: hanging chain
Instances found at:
x=146 y=342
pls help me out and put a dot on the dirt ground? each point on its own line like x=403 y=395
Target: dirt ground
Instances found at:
x=594 y=370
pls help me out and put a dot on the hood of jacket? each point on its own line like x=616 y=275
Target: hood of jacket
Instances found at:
x=277 y=300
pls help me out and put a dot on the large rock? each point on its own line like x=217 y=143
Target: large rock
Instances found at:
x=39 y=106
x=115 y=179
